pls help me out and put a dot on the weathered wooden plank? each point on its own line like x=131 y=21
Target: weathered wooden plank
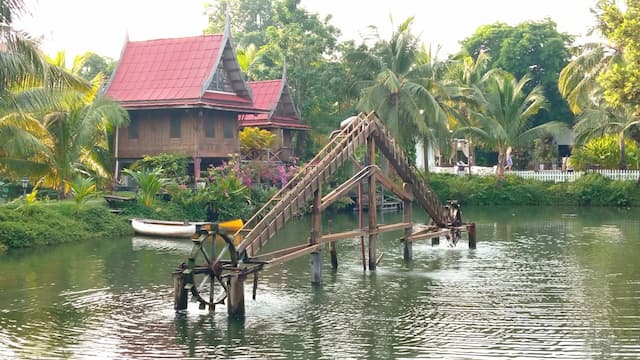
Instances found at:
x=291 y=256
x=428 y=235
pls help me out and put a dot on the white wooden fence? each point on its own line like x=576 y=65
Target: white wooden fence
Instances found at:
x=543 y=175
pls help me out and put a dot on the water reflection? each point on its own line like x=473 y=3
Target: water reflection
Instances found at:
x=543 y=283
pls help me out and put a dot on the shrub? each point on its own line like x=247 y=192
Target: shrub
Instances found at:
x=57 y=223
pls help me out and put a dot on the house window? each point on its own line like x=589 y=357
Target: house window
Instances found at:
x=229 y=128
x=134 y=125
x=174 y=130
x=210 y=127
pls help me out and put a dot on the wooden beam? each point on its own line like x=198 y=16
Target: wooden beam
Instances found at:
x=391 y=227
x=389 y=184
x=342 y=235
x=274 y=254
x=426 y=235
x=293 y=255
x=346 y=187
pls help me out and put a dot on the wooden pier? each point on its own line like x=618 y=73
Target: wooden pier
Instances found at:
x=236 y=263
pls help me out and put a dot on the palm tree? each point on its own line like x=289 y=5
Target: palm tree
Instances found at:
x=77 y=136
x=29 y=87
x=467 y=74
x=505 y=108
x=397 y=93
x=597 y=122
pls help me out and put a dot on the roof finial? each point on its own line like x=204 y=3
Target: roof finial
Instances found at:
x=284 y=69
x=227 y=20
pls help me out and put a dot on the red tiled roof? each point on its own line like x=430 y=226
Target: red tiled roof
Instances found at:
x=266 y=95
x=170 y=72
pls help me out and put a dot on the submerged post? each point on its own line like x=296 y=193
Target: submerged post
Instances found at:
x=471 y=229
x=373 y=221
x=332 y=250
x=179 y=293
x=235 y=308
x=407 y=218
x=316 y=233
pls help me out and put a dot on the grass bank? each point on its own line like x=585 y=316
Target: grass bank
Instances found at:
x=57 y=222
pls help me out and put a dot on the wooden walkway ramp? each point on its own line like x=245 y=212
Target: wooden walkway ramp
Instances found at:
x=300 y=190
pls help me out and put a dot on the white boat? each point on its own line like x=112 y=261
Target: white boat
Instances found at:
x=175 y=229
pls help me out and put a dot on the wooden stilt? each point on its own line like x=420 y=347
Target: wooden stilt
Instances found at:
x=235 y=306
x=471 y=229
x=407 y=218
x=373 y=221
x=179 y=292
x=435 y=241
x=361 y=226
x=316 y=234
x=332 y=250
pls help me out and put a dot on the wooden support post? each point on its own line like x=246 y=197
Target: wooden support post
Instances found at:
x=316 y=234
x=235 y=306
x=373 y=221
x=407 y=218
x=361 y=226
x=179 y=292
x=435 y=241
x=471 y=229
x=332 y=250
x=196 y=168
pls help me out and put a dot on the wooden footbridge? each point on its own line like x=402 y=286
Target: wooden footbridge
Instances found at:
x=236 y=262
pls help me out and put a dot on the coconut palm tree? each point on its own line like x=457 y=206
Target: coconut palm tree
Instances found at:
x=502 y=120
x=397 y=93
x=77 y=136
x=29 y=87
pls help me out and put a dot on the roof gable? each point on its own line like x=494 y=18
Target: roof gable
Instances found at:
x=273 y=96
x=179 y=72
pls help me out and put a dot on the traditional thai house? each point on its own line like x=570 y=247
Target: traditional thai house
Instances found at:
x=283 y=118
x=183 y=95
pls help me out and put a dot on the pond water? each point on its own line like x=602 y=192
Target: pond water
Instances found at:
x=543 y=283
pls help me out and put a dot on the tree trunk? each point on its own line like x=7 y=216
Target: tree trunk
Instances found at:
x=623 y=153
x=500 y=165
x=425 y=156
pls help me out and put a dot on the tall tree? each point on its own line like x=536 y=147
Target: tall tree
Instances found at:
x=249 y=19
x=535 y=48
x=506 y=109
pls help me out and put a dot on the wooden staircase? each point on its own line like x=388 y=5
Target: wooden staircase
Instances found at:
x=299 y=191
x=301 y=188
x=421 y=190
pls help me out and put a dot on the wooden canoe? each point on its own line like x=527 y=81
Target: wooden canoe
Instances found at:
x=161 y=228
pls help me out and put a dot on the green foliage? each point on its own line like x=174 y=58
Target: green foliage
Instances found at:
x=533 y=47
x=173 y=167
x=149 y=184
x=255 y=142
x=603 y=152
x=589 y=190
x=82 y=190
x=56 y=223
x=620 y=26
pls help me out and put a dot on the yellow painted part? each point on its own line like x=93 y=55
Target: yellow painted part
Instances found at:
x=231 y=225
x=220 y=241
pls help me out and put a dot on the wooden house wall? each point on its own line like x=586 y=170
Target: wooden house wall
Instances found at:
x=154 y=134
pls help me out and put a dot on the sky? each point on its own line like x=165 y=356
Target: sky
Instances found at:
x=102 y=26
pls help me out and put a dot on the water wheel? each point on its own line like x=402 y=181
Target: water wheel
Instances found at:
x=197 y=277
